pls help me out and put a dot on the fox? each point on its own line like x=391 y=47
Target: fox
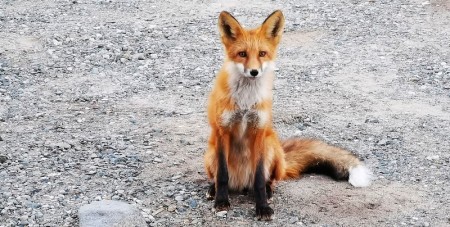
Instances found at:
x=243 y=150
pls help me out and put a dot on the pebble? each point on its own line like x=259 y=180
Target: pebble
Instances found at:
x=158 y=211
x=221 y=214
x=91 y=172
x=432 y=157
x=384 y=142
x=171 y=208
x=33 y=205
x=179 y=198
x=371 y=120
x=193 y=203
x=139 y=56
x=39 y=214
x=293 y=220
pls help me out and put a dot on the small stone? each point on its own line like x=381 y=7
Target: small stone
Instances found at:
x=139 y=56
x=300 y=126
x=33 y=205
x=157 y=160
x=1 y=139
x=221 y=214
x=39 y=214
x=383 y=142
x=127 y=56
x=193 y=203
x=56 y=42
x=92 y=172
x=179 y=198
x=369 y=120
x=171 y=208
x=64 y=145
x=293 y=220
x=153 y=56
x=425 y=3
x=158 y=211
x=3 y=159
x=432 y=157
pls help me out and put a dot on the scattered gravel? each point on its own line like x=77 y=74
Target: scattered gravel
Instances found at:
x=105 y=100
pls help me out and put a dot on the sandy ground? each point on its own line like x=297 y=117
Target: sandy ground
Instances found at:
x=106 y=100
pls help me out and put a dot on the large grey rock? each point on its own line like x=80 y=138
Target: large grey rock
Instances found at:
x=106 y=213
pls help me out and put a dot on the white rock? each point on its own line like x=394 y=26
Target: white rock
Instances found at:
x=221 y=213
x=107 y=213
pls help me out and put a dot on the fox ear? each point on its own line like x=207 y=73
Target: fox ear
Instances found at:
x=273 y=26
x=229 y=27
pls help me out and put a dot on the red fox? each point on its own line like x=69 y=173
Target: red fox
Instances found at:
x=244 y=151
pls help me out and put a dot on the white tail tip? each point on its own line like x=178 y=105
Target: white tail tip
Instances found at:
x=360 y=176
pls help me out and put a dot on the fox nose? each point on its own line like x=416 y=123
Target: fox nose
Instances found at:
x=254 y=72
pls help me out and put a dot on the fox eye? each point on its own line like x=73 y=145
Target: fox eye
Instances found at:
x=242 y=54
x=262 y=53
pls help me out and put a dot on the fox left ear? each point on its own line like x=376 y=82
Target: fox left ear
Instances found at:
x=273 y=26
x=229 y=27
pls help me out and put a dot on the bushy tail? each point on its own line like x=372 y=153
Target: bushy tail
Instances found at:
x=314 y=156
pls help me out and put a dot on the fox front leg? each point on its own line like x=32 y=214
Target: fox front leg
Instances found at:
x=221 y=184
x=263 y=210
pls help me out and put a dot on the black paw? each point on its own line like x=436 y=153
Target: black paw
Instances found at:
x=211 y=193
x=264 y=213
x=222 y=204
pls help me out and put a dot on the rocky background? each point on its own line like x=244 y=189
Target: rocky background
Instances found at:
x=105 y=100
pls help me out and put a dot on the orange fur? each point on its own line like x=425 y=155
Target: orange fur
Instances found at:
x=240 y=113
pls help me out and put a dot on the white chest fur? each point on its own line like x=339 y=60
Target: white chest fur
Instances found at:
x=248 y=92
x=245 y=91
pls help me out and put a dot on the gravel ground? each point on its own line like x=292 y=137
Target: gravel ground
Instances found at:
x=106 y=100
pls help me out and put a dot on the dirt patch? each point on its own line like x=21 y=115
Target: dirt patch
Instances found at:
x=364 y=206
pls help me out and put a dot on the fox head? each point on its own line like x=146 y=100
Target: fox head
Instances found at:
x=251 y=51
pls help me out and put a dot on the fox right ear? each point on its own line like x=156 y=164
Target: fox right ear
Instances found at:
x=229 y=27
x=273 y=26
